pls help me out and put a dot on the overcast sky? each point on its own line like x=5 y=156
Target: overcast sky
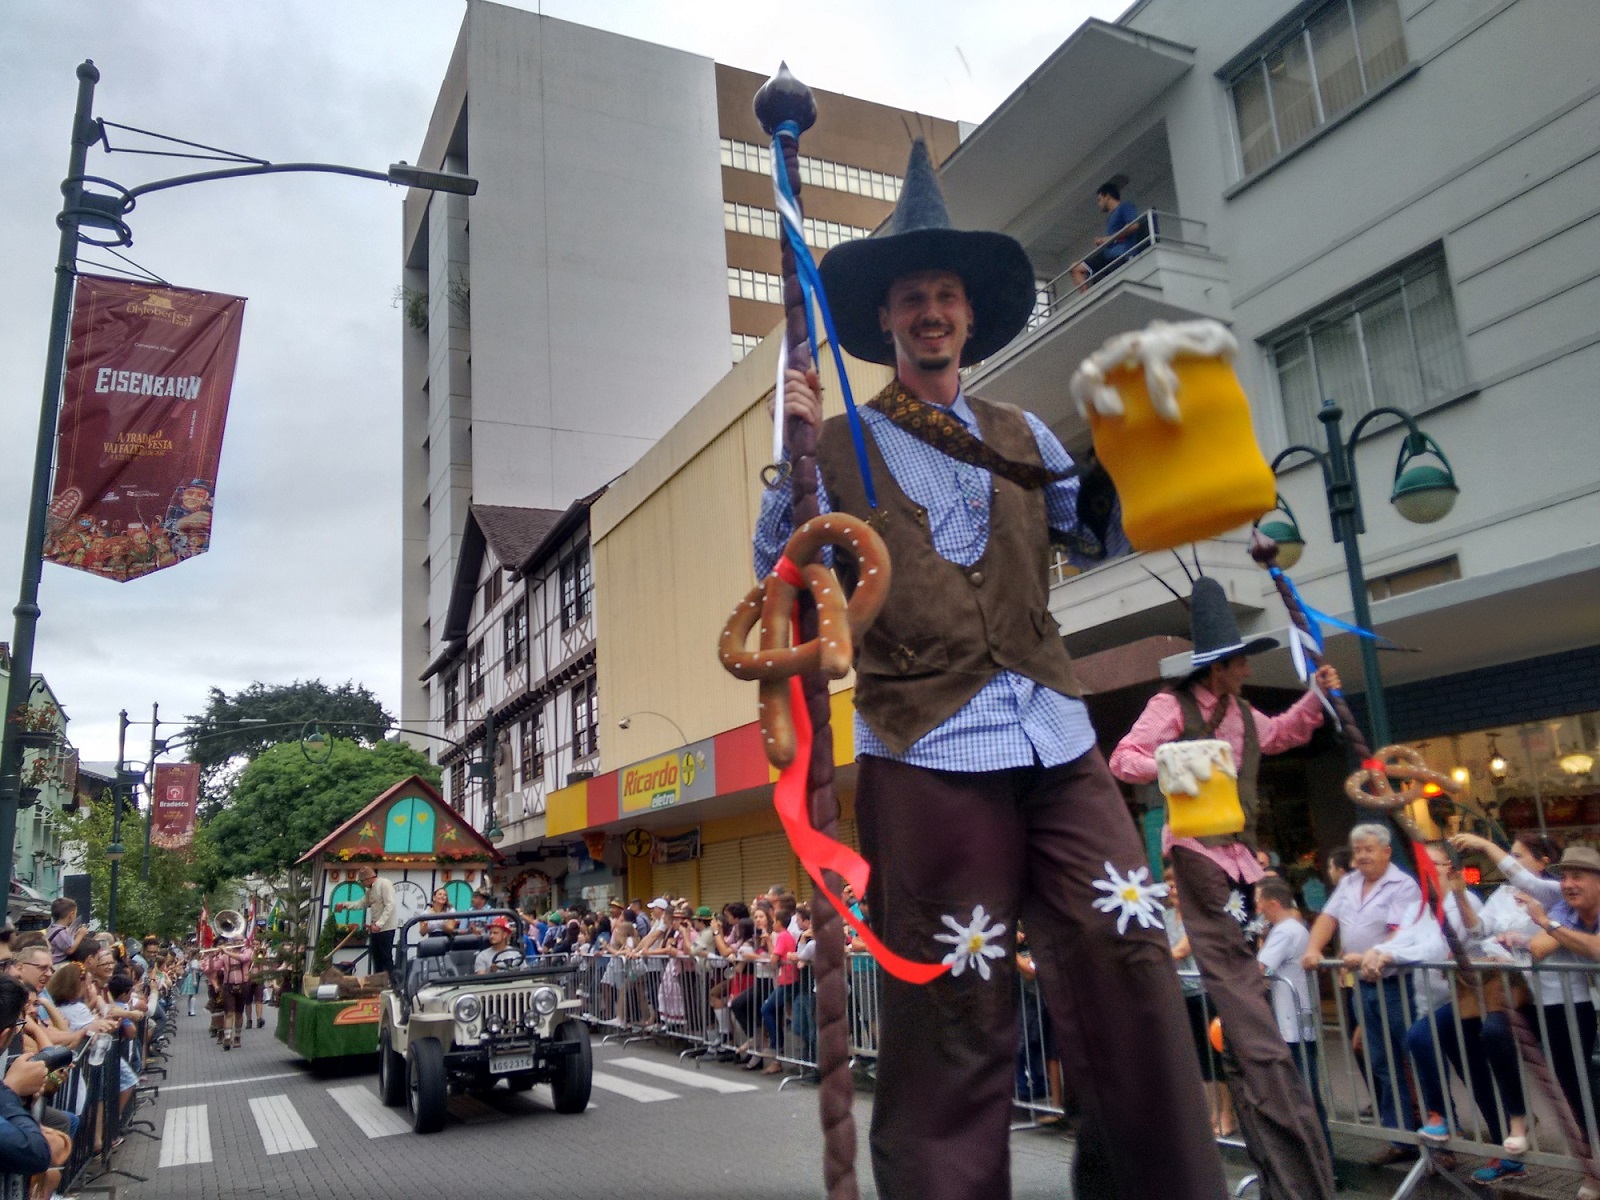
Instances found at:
x=302 y=579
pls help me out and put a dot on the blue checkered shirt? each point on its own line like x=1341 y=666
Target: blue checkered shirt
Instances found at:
x=1013 y=721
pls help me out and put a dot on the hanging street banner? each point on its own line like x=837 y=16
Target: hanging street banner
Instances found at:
x=149 y=372
x=177 y=793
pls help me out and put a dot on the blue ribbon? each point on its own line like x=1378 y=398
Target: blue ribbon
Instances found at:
x=1316 y=618
x=812 y=291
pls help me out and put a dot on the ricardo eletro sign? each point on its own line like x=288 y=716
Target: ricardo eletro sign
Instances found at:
x=677 y=778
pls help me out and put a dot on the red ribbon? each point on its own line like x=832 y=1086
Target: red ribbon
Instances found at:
x=785 y=570
x=1375 y=764
x=1432 y=885
x=818 y=852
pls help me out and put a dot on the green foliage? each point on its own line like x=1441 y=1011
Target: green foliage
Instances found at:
x=326 y=941
x=277 y=713
x=167 y=905
x=284 y=803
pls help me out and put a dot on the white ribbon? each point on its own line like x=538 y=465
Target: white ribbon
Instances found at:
x=790 y=216
x=1300 y=643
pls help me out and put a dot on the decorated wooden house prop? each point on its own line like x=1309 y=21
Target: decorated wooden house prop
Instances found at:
x=411 y=837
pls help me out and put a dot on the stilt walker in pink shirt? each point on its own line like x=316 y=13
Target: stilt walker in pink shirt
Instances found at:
x=1216 y=875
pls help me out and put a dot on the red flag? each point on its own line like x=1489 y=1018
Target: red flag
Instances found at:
x=206 y=937
x=149 y=371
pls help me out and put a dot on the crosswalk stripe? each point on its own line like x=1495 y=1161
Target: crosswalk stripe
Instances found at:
x=185 y=1137
x=363 y=1107
x=642 y=1092
x=186 y=1087
x=694 y=1079
x=280 y=1125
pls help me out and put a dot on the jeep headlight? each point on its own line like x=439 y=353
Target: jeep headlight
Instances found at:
x=492 y=1026
x=466 y=1009
x=545 y=1000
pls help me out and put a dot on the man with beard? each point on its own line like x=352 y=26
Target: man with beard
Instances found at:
x=980 y=796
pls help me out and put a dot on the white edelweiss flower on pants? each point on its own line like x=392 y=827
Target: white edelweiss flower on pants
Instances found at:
x=1131 y=897
x=972 y=943
x=1235 y=906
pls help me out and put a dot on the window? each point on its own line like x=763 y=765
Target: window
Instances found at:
x=763 y=222
x=409 y=829
x=530 y=734
x=814 y=172
x=452 y=696
x=1311 y=72
x=475 y=671
x=458 y=785
x=493 y=589
x=1395 y=343
x=755 y=285
x=743 y=343
x=585 y=720
x=1414 y=579
x=515 y=627
x=577 y=587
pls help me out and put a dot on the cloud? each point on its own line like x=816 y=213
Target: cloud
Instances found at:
x=303 y=578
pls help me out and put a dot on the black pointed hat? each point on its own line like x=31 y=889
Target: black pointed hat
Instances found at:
x=1213 y=630
x=918 y=236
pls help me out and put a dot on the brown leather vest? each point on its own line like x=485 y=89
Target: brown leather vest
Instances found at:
x=947 y=630
x=1196 y=727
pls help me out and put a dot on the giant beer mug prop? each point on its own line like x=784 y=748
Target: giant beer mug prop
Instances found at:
x=1201 y=784
x=1172 y=426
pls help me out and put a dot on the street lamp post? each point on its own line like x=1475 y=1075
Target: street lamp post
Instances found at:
x=105 y=214
x=116 y=850
x=1421 y=494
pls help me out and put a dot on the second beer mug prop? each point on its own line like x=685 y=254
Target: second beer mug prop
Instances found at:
x=1201 y=784
x=1172 y=426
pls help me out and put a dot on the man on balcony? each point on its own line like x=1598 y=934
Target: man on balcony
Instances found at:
x=1124 y=232
x=980 y=795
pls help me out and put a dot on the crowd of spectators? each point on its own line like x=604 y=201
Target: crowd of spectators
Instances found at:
x=1407 y=1024
x=69 y=999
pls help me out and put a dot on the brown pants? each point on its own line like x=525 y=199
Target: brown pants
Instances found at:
x=1276 y=1115
x=1025 y=844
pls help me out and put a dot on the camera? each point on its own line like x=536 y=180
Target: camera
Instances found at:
x=54 y=1057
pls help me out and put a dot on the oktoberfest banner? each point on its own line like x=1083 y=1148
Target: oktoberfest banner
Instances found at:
x=149 y=371
x=683 y=848
x=177 y=793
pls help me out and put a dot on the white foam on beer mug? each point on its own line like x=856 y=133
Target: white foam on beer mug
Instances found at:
x=1182 y=768
x=1153 y=347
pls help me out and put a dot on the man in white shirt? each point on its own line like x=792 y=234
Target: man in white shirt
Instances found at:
x=1280 y=957
x=499 y=933
x=1371 y=903
x=379 y=903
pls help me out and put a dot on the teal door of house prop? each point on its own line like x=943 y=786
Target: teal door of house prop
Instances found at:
x=350 y=916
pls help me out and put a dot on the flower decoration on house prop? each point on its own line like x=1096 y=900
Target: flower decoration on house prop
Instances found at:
x=369 y=832
x=450 y=834
x=1235 y=906
x=973 y=943
x=1131 y=897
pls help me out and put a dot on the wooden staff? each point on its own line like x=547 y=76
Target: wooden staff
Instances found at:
x=1265 y=552
x=783 y=98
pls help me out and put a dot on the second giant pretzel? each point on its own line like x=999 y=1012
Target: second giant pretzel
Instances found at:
x=840 y=624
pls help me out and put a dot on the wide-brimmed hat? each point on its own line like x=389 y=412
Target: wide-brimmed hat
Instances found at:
x=918 y=236
x=1212 y=628
x=1578 y=858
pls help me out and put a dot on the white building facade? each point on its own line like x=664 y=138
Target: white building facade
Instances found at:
x=1390 y=202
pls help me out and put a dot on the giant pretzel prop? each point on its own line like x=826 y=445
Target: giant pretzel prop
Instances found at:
x=841 y=624
x=1371 y=787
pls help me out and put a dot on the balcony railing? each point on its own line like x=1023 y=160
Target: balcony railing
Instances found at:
x=1154 y=227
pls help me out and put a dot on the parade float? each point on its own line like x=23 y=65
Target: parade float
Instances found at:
x=410 y=837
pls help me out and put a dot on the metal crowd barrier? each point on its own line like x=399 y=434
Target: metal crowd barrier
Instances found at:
x=678 y=997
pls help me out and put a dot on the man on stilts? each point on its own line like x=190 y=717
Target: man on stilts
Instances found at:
x=1216 y=876
x=981 y=798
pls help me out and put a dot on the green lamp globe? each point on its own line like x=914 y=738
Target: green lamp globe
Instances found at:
x=1290 y=544
x=1424 y=494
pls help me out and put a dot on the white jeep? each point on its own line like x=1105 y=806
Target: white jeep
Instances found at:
x=446 y=1029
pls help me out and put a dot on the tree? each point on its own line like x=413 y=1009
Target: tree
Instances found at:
x=277 y=713
x=167 y=904
x=284 y=803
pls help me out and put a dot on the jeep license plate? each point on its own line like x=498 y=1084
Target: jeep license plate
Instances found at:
x=503 y=1064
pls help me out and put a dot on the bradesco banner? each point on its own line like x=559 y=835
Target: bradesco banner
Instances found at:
x=690 y=774
x=149 y=372
x=177 y=793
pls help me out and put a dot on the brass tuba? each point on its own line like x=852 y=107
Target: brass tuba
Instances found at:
x=228 y=925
